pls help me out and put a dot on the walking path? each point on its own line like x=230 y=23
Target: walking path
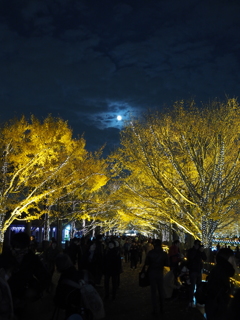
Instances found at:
x=132 y=303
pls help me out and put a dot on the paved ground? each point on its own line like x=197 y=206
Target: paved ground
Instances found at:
x=132 y=303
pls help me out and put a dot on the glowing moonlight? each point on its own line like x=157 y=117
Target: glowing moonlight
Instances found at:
x=119 y=118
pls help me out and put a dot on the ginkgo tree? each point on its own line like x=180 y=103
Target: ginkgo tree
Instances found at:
x=184 y=165
x=40 y=160
x=79 y=202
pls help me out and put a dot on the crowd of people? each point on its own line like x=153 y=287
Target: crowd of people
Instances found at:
x=26 y=273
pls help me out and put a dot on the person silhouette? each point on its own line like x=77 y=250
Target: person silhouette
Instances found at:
x=218 y=286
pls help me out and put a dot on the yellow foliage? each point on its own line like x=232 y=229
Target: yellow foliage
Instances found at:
x=123 y=216
x=184 y=164
x=41 y=163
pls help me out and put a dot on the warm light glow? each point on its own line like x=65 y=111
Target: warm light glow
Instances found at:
x=183 y=169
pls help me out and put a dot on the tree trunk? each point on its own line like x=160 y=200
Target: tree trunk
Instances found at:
x=208 y=228
x=2 y=216
x=93 y=232
x=59 y=233
x=72 y=229
x=46 y=228
x=1 y=240
x=28 y=227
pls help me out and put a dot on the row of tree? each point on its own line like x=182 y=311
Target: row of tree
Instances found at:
x=177 y=169
x=182 y=168
x=42 y=168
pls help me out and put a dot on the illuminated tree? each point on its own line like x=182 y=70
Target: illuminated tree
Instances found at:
x=184 y=166
x=38 y=163
x=79 y=200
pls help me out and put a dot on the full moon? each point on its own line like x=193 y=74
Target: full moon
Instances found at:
x=119 y=118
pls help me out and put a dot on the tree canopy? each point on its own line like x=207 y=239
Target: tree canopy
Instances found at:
x=177 y=169
x=182 y=166
x=40 y=163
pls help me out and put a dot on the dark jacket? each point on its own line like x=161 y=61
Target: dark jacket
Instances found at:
x=6 y=306
x=134 y=251
x=29 y=277
x=72 y=252
x=218 y=279
x=112 y=262
x=174 y=255
x=195 y=260
x=156 y=260
x=218 y=286
x=66 y=296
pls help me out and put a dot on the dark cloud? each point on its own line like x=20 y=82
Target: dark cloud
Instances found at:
x=89 y=60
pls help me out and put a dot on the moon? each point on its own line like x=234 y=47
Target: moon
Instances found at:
x=119 y=118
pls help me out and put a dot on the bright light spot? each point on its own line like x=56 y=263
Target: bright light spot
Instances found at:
x=119 y=118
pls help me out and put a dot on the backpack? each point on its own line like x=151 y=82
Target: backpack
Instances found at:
x=90 y=297
x=201 y=292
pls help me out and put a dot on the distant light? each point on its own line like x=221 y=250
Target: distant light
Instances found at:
x=119 y=118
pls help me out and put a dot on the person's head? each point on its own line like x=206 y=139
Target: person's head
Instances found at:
x=111 y=245
x=176 y=243
x=197 y=244
x=20 y=241
x=54 y=244
x=99 y=237
x=157 y=243
x=225 y=254
x=63 y=262
x=74 y=240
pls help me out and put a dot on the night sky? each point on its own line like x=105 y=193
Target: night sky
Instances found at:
x=88 y=61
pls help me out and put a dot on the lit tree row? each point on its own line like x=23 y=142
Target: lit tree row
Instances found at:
x=178 y=169
x=183 y=167
x=41 y=164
